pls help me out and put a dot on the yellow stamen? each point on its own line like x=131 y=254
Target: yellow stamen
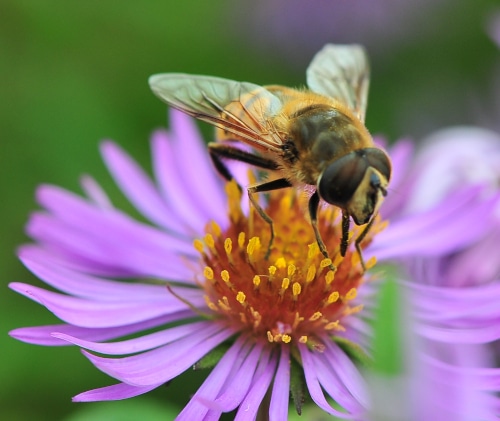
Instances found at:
x=291 y=270
x=329 y=277
x=351 y=294
x=270 y=337
x=313 y=250
x=316 y=316
x=256 y=281
x=325 y=262
x=224 y=303
x=241 y=239
x=225 y=276
x=332 y=325
x=253 y=246
x=280 y=263
x=208 y=273
x=198 y=245
x=228 y=246
x=333 y=297
x=286 y=338
x=372 y=261
x=234 y=195
x=311 y=273
x=296 y=289
x=209 y=240
x=297 y=320
x=241 y=297
x=215 y=228
x=303 y=339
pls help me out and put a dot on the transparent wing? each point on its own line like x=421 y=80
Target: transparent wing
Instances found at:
x=240 y=108
x=341 y=72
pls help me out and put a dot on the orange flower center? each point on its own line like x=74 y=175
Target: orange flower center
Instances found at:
x=293 y=295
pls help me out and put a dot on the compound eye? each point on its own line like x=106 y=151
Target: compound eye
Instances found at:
x=379 y=160
x=341 y=178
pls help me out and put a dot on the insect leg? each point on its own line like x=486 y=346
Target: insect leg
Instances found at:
x=313 y=214
x=345 y=233
x=280 y=183
x=219 y=151
x=360 y=238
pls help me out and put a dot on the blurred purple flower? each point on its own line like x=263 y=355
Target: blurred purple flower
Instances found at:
x=297 y=29
x=453 y=294
x=201 y=280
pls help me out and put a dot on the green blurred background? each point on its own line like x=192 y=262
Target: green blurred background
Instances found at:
x=74 y=73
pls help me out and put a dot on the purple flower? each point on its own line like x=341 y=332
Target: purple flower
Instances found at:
x=297 y=29
x=453 y=294
x=197 y=275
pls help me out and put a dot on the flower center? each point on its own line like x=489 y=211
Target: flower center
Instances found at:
x=293 y=295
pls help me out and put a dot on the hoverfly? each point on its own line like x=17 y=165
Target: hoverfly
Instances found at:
x=313 y=136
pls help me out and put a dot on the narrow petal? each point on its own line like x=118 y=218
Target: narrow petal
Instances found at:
x=202 y=401
x=85 y=313
x=43 y=335
x=80 y=214
x=262 y=380
x=347 y=372
x=314 y=386
x=164 y=363
x=205 y=180
x=95 y=192
x=444 y=227
x=111 y=249
x=140 y=344
x=193 y=204
x=82 y=285
x=138 y=188
x=278 y=407
x=240 y=380
x=113 y=393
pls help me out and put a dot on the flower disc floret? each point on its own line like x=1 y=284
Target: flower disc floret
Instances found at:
x=292 y=295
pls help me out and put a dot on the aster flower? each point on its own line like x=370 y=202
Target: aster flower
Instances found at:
x=453 y=294
x=196 y=274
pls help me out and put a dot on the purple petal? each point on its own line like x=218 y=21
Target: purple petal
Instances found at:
x=210 y=191
x=140 y=344
x=77 y=213
x=438 y=231
x=347 y=372
x=451 y=159
x=95 y=192
x=240 y=380
x=401 y=154
x=42 y=335
x=164 y=363
x=82 y=285
x=85 y=313
x=278 y=407
x=153 y=254
x=193 y=204
x=314 y=386
x=138 y=188
x=203 y=399
x=113 y=393
x=262 y=380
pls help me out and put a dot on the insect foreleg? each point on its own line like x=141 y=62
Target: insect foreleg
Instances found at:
x=360 y=238
x=220 y=151
x=280 y=183
x=313 y=214
x=344 y=242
